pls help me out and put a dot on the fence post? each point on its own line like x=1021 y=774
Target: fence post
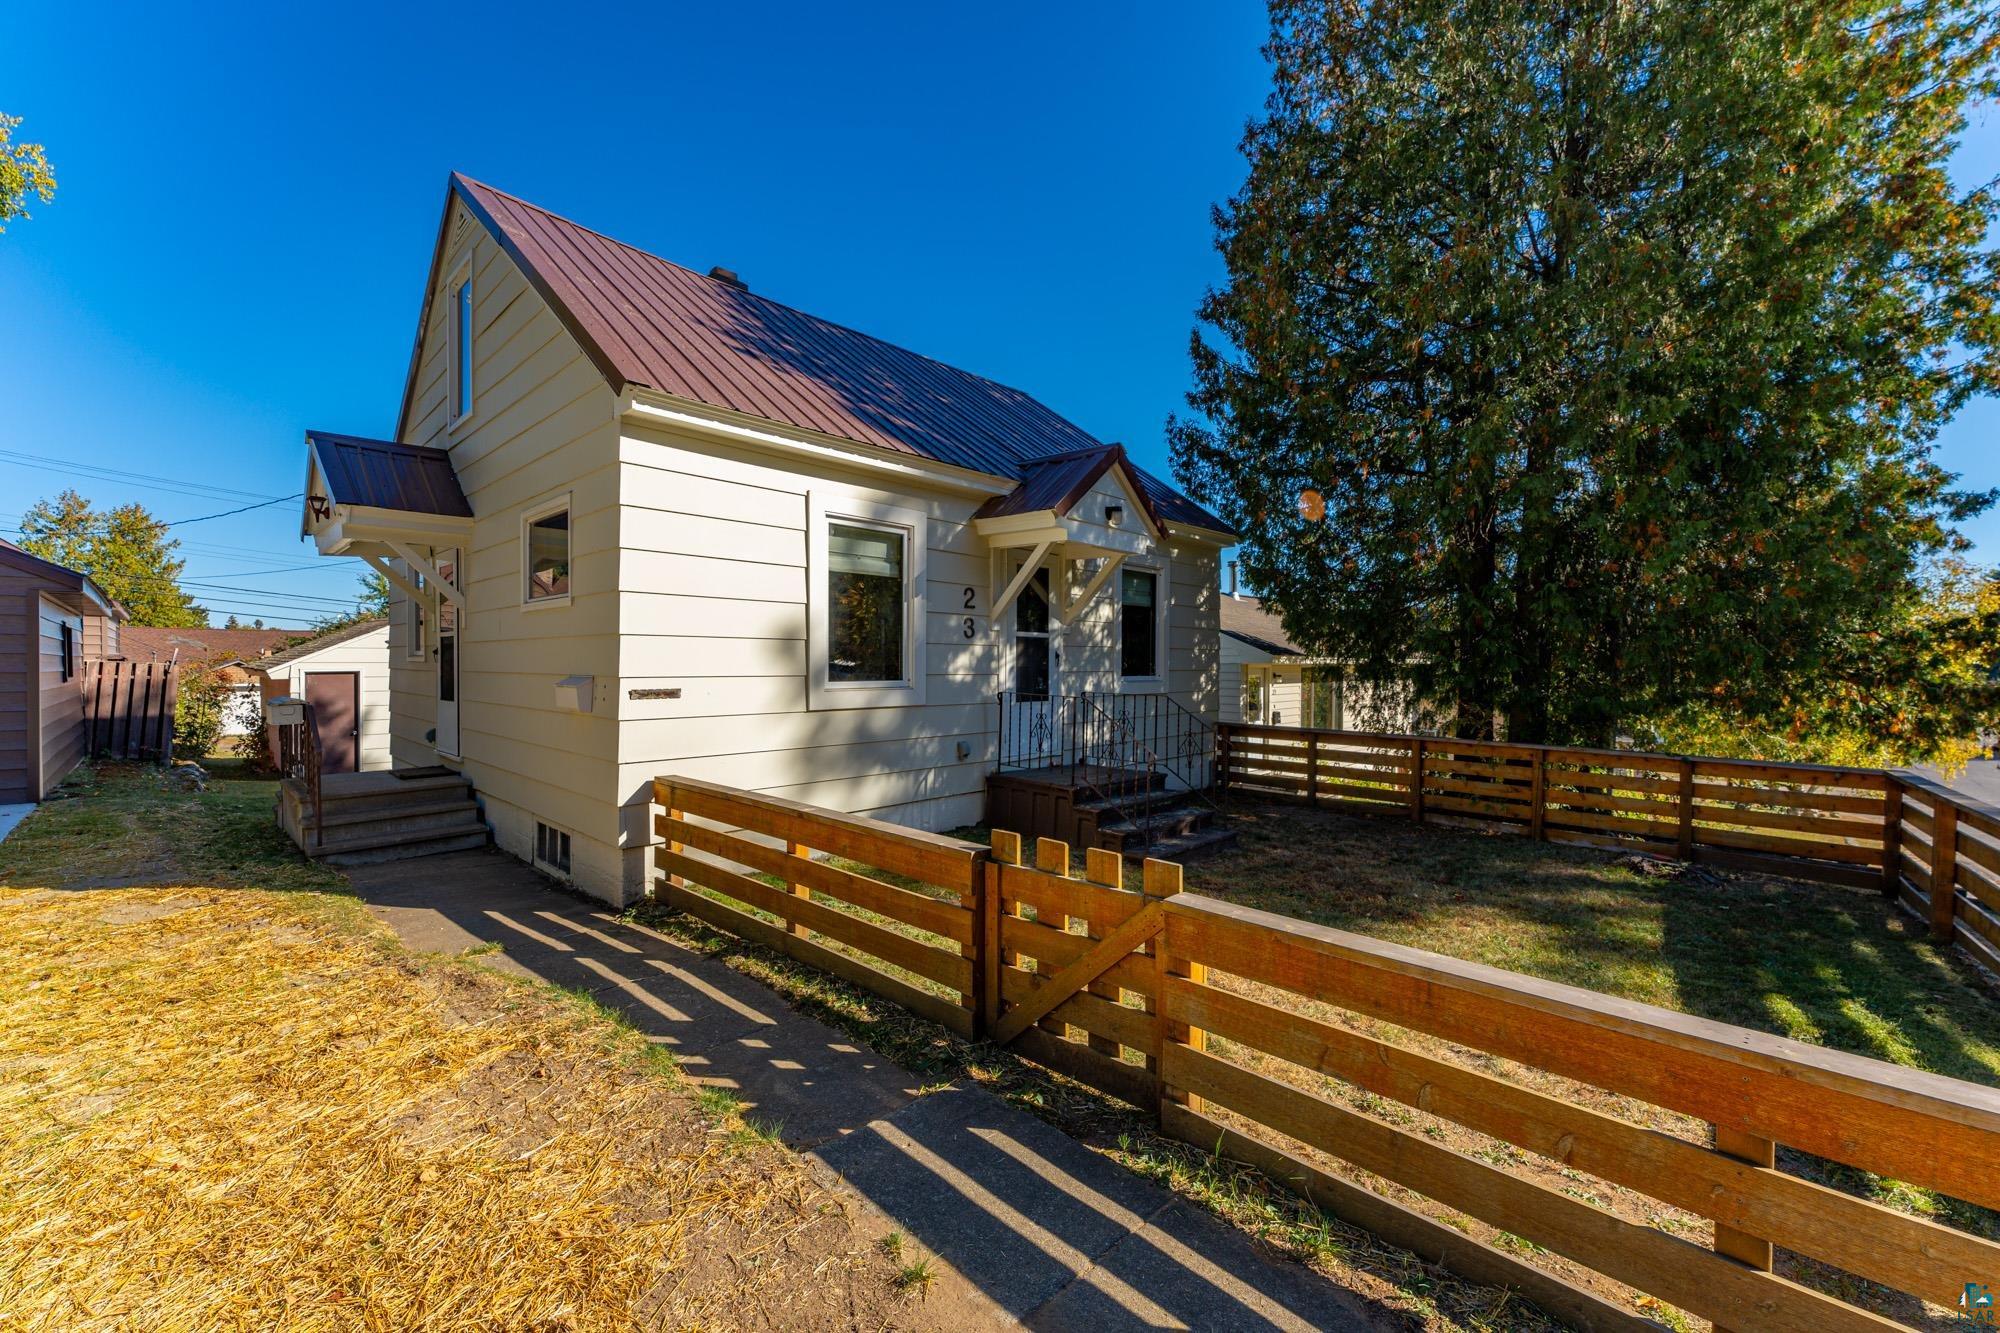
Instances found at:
x=1741 y=1246
x=1539 y=794
x=1944 y=867
x=981 y=892
x=1163 y=880
x=1006 y=852
x=1686 y=832
x=1222 y=756
x=1312 y=768
x=1892 y=838
x=803 y=852
x=1417 y=778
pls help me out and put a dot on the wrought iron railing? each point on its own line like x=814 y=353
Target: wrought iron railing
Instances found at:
x=1117 y=747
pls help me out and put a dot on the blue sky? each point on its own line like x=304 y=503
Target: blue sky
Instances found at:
x=248 y=198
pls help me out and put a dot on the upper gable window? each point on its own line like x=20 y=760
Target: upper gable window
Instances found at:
x=459 y=330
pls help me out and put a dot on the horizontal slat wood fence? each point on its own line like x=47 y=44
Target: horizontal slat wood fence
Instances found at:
x=1216 y=1017
x=128 y=708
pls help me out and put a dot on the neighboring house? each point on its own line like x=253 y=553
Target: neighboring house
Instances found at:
x=642 y=521
x=232 y=650
x=1270 y=680
x=51 y=620
x=344 y=675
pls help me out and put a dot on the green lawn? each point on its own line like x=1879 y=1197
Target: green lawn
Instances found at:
x=1832 y=966
x=111 y=825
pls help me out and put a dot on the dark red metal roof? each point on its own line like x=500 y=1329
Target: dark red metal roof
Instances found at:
x=645 y=321
x=1057 y=483
x=386 y=475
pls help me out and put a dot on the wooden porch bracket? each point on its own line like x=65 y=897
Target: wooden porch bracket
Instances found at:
x=429 y=571
x=1019 y=581
x=389 y=572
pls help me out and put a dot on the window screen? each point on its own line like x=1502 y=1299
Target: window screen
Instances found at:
x=864 y=619
x=1139 y=648
x=548 y=556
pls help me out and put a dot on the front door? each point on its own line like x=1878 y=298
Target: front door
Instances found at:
x=1032 y=727
x=335 y=697
x=447 y=711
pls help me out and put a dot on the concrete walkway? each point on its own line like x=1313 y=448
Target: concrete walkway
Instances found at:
x=1036 y=1228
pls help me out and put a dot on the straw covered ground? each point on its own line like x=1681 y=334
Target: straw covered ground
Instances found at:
x=238 y=1109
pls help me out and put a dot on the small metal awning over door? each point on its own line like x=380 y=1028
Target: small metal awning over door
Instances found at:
x=378 y=500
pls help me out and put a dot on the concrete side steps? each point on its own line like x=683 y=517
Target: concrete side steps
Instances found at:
x=399 y=846
x=373 y=817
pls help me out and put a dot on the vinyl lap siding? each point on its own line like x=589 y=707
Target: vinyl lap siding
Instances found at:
x=61 y=700
x=714 y=603
x=542 y=423
x=20 y=666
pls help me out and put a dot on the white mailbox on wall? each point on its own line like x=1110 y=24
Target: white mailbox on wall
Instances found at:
x=284 y=711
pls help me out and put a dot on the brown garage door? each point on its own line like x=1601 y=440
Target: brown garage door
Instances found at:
x=336 y=700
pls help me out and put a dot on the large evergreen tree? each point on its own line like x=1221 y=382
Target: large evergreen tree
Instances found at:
x=1605 y=341
x=126 y=552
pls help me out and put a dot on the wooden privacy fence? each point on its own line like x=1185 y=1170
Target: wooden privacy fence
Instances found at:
x=1859 y=826
x=128 y=709
x=1233 y=1026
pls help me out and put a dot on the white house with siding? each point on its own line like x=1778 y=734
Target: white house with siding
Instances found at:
x=641 y=520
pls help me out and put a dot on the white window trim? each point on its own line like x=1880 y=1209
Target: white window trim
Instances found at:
x=1162 y=600
x=461 y=272
x=553 y=505
x=417 y=619
x=823 y=692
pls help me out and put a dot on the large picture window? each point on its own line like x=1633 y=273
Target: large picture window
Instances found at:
x=864 y=604
x=865 y=589
x=1139 y=623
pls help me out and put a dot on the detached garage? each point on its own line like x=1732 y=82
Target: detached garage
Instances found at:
x=344 y=675
x=51 y=619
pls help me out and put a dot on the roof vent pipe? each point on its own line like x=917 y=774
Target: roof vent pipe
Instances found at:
x=1232 y=580
x=728 y=275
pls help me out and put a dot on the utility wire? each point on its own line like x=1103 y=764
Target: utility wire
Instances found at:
x=183 y=522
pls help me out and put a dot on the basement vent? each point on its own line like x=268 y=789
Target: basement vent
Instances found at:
x=551 y=848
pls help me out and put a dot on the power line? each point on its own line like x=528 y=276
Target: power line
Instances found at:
x=183 y=522
x=98 y=472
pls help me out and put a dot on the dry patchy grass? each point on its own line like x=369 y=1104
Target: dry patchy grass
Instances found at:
x=233 y=1110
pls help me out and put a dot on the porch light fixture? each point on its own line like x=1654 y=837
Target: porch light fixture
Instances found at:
x=1114 y=514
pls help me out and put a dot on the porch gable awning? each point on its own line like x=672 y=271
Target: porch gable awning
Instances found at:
x=378 y=499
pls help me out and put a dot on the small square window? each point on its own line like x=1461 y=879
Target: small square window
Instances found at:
x=1139 y=639
x=552 y=847
x=865 y=612
x=547 y=555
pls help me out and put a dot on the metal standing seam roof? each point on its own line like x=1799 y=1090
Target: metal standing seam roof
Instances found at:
x=645 y=321
x=386 y=475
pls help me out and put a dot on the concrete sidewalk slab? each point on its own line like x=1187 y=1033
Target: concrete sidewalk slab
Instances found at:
x=1034 y=1227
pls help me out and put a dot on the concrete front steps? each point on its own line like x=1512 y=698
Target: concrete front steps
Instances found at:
x=383 y=816
x=1165 y=825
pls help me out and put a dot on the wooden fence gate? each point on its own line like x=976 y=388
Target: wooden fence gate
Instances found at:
x=1242 y=1030
x=128 y=709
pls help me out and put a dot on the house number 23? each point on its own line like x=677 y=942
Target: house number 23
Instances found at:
x=970 y=597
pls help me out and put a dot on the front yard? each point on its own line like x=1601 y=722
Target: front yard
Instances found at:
x=231 y=1106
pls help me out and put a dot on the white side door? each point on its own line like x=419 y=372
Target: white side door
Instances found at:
x=447 y=613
